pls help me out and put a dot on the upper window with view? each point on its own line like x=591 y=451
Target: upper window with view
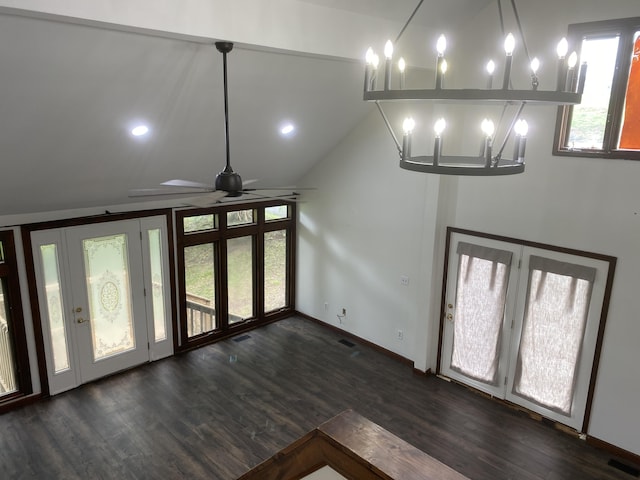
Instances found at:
x=606 y=124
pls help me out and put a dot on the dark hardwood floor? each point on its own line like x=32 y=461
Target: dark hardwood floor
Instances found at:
x=217 y=411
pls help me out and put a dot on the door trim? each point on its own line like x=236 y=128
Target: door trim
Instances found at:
x=611 y=260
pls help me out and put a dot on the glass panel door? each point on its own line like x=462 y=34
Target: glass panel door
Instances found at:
x=476 y=319
x=108 y=297
x=555 y=335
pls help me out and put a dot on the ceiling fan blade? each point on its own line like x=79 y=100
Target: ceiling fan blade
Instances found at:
x=152 y=192
x=292 y=196
x=289 y=188
x=249 y=182
x=206 y=200
x=188 y=184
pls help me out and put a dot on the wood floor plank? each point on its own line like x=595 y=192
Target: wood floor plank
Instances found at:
x=217 y=411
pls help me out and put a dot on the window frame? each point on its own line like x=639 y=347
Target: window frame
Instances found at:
x=625 y=28
x=224 y=232
x=9 y=273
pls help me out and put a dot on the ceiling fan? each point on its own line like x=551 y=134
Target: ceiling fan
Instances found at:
x=227 y=183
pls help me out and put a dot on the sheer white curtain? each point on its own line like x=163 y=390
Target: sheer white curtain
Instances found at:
x=558 y=298
x=483 y=275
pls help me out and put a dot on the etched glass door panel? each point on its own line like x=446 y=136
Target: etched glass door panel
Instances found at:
x=107 y=276
x=55 y=307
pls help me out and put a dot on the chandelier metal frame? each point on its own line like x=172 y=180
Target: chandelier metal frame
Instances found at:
x=569 y=90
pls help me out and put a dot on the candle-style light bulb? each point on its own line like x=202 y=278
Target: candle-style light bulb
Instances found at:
x=388 y=49
x=488 y=129
x=438 y=128
x=368 y=56
x=509 y=45
x=407 y=126
x=535 y=65
x=401 y=67
x=443 y=67
x=368 y=67
x=571 y=73
x=521 y=128
x=491 y=67
x=441 y=45
x=561 y=50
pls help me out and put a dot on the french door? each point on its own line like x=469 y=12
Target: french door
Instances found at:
x=521 y=323
x=102 y=299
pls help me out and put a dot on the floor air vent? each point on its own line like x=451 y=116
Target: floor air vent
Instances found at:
x=625 y=468
x=241 y=338
x=347 y=343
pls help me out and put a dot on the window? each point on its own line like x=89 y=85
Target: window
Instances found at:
x=607 y=122
x=15 y=380
x=234 y=268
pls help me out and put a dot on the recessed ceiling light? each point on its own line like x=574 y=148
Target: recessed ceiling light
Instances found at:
x=287 y=129
x=140 y=130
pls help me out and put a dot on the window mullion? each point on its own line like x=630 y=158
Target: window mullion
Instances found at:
x=619 y=90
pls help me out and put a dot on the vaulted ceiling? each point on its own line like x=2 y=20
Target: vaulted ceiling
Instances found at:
x=73 y=87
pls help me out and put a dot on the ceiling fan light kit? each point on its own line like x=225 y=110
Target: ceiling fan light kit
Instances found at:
x=568 y=91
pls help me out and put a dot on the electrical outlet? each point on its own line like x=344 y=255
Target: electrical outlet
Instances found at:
x=400 y=335
x=404 y=280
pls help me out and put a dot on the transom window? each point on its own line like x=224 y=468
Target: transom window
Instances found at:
x=235 y=266
x=607 y=122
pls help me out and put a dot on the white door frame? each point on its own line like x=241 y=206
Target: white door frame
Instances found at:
x=154 y=347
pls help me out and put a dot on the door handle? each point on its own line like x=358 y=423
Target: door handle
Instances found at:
x=82 y=320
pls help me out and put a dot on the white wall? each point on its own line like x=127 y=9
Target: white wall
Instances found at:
x=359 y=233
x=371 y=222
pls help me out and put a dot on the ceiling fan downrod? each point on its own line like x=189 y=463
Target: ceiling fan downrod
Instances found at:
x=227 y=180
